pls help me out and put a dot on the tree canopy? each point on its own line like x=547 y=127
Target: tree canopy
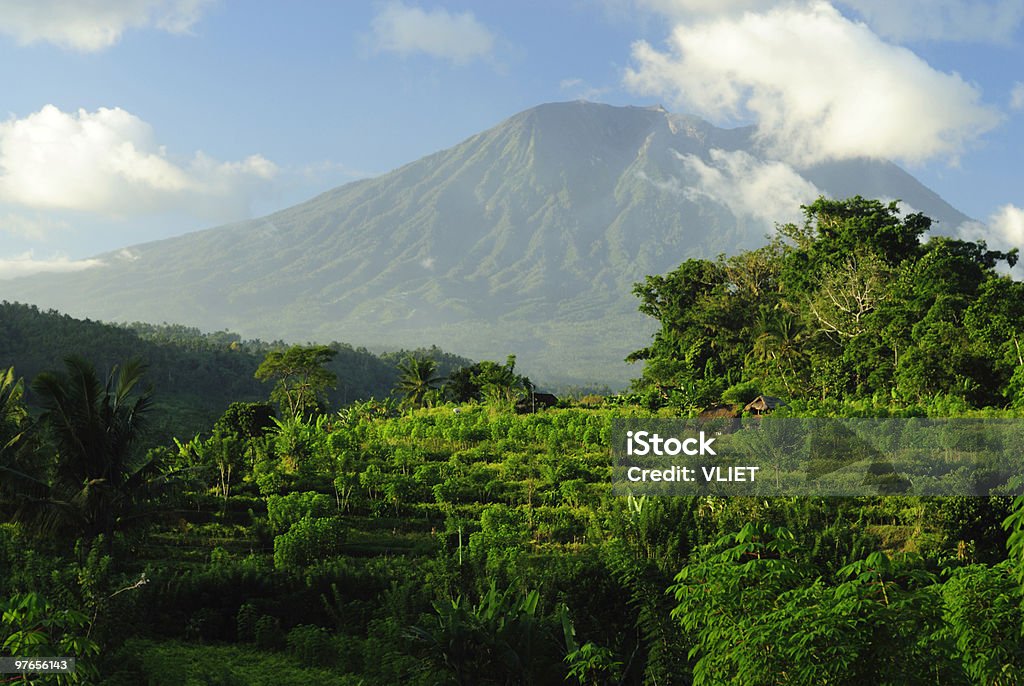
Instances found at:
x=302 y=378
x=849 y=304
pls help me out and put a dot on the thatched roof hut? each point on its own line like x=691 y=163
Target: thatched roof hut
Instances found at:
x=719 y=412
x=763 y=403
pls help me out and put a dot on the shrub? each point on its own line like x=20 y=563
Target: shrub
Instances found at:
x=246 y=621
x=283 y=511
x=312 y=645
x=741 y=393
x=307 y=541
x=268 y=633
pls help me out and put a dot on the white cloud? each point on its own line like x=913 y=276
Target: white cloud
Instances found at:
x=108 y=162
x=1004 y=230
x=942 y=20
x=696 y=8
x=899 y=20
x=1007 y=225
x=819 y=85
x=1017 y=96
x=767 y=191
x=406 y=30
x=94 y=25
x=25 y=264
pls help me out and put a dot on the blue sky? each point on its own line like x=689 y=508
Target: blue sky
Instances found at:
x=125 y=121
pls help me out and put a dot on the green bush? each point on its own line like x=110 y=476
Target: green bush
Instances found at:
x=268 y=633
x=307 y=541
x=312 y=646
x=741 y=393
x=285 y=510
x=246 y=620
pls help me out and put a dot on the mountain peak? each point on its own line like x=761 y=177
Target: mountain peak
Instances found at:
x=524 y=238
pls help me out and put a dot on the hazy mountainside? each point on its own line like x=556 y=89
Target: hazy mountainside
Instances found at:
x=525 y=238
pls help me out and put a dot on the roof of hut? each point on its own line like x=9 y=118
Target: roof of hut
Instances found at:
x=764 y=403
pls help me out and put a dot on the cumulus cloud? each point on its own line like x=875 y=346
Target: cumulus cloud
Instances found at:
x=109 y=162
x=942 y=20
x=819 y=85
x=1008 y=227
x=94 y=25
x=25 y=264
x=405 y=30
x=1004 y=230
x=903 y=21
x=692 y=8
x=767 y=191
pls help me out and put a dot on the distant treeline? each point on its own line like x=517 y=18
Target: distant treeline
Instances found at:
x=197 y=374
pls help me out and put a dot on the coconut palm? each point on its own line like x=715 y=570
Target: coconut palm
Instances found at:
x=417 y=380
x=15 y=483
x=99 y=476
x=12 y=411
x=778 y=336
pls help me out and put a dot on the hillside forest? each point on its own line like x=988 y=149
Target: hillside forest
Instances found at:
x=188 y=508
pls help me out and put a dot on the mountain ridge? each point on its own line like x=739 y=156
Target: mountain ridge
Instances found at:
x=525 y=238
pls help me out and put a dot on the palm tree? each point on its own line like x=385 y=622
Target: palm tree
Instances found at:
x=12 y=411
x=15 y=451
x=99 y=476
x=417 y=380
x=778 y=336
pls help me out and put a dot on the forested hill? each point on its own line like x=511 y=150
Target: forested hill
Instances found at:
x=196 y=375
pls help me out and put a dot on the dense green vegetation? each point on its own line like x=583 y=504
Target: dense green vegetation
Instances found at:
x=441 y=541
x=850 y=305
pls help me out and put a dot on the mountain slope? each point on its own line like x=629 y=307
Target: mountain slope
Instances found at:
x=524 y=238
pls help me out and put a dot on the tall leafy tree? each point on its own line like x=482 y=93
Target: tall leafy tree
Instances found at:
x=302 y=379
x=487 y=378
